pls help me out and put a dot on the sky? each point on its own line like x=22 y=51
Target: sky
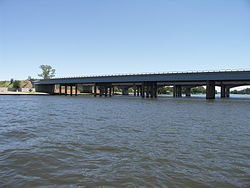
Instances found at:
x=102 y=37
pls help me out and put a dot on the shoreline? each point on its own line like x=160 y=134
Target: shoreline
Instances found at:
x=22 y=93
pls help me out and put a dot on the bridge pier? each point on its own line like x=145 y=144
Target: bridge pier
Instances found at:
x=210 y=90
x=76 y=90
x=125 y=91
x=150 y=89
x=177 y=91
x=147 y=91
x=65 y=90
x=188 y=91
x=138 y=91
x=155 y=92
x=110 y=91
x=71 y=90
x=223 y=91
x=95 y=90
x=227 y=92
x=60 y=89
x=105 y=91
x=142 y=90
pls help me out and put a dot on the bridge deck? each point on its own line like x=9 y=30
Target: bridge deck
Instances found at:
x=169 y=77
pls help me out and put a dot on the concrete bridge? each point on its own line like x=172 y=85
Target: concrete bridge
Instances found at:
x=146 y=85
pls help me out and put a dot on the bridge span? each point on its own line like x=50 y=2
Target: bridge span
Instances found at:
x=146 y=85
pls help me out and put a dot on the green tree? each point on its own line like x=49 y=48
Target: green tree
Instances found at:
x=17 y=84
x=47 y=72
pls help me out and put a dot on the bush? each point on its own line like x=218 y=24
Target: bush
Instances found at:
x=17 y=84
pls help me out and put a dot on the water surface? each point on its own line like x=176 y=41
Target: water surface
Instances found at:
x=58 y=141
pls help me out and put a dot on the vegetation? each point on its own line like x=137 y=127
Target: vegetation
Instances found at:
x=243 y=91
x=47 y=72
x=198 y=90
x=5 y=84
x=17 y=84
x=195 y=90
x=165 y=90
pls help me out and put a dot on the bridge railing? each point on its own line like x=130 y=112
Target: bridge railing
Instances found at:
x=155 y=73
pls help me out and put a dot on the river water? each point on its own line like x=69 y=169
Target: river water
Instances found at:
x=58 y=141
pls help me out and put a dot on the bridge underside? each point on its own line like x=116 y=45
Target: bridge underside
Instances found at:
x=143 y=89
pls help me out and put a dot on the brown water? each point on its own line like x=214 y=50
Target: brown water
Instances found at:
x=57 y=141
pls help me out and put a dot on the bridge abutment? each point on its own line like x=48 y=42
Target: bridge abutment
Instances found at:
x=45 y=88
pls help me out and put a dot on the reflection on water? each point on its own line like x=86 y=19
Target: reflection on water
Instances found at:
x=124 y=142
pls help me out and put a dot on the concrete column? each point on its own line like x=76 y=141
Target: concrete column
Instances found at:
x=155 y=90
x=110 y=91
x=113 y=90
x=147 y=91
x=71 y=90
x=76 y=90
x=125 y=91
x=223 y=91
x=175 y=88
x=95 y=90
x=179 y=91
x=210 y=93
x=100 y=91
x=151 y=90
x=105 y=91
x=138 y=90
x=188 y=91
x=60 y=89
x=142 y=90
x=66 y=90
x=227 y=92
x=134 y=90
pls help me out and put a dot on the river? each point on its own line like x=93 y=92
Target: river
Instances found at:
x=58 y=141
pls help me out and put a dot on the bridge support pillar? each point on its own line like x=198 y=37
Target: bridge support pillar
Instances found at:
x=110 y=91
x=151 y=87
x=223 y=91
x=71 y=90
x=153 y=90
x=100 y=90
x=177 y=91
x=95 y=90
x=65 y=90
x=227 y=92
x=143 y=90
x=174 y=91
x=138 y=91
x=125 y=91
x=60 y=89
x=105 y=91
x=134 y=89
x=188 y=91
x=76 y=90
x=210 y=91
x=155 y=93
x=147 y=91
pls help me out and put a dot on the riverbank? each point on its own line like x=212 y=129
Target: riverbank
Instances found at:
x=22 y=93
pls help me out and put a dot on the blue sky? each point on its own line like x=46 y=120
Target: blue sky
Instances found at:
x=80 y=37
